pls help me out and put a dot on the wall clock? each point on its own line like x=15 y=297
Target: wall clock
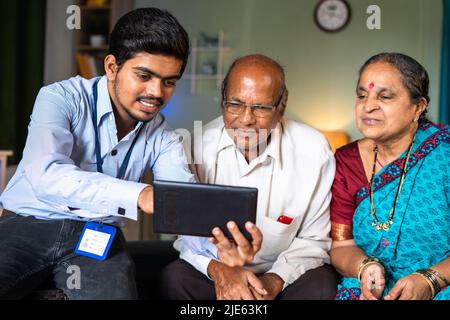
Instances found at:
x=332 y=15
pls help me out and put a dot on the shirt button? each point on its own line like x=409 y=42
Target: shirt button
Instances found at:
x=114 y=152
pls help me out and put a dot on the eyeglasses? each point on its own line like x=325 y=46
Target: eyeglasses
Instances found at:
x=259 y=110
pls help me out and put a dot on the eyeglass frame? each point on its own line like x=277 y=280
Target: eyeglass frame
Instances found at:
x=253 y=106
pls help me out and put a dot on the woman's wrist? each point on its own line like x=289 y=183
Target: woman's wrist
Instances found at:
x=431 y=280
x=443 y=282
x=367 y=262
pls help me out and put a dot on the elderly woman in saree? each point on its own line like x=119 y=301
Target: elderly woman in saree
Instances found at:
x=390 y=209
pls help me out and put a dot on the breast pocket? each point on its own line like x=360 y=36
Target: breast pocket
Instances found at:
x=277 y=237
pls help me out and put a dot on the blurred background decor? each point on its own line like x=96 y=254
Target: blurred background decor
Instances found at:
x=321 y=67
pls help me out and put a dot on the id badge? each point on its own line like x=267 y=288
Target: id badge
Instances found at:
x=95 y=240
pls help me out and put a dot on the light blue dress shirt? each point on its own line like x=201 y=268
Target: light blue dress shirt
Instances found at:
x=57 y=177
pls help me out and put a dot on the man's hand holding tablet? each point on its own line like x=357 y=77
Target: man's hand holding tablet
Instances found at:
x=237 y=251
x=225 y=214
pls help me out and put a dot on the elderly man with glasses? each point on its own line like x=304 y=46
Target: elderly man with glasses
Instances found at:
x=253 y=145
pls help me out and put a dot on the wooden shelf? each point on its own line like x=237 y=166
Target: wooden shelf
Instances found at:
x=197 y=52
x=96 y=19
x=4 y=154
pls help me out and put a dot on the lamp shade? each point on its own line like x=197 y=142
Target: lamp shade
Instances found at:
x=336 y=139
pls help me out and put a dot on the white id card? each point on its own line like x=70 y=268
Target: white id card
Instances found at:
x=95 y=240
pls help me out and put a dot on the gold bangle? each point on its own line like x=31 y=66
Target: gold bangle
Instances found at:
x=440 y=276
x=430 y=284
x=366 y=262
x=432 y=278
x=427 y=273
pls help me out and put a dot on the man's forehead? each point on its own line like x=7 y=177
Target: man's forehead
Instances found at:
x=252 y=81
x=161 y=64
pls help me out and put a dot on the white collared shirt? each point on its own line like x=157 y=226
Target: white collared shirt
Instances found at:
x=293 y=176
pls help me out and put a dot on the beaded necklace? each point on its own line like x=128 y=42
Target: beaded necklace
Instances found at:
x=375 y=222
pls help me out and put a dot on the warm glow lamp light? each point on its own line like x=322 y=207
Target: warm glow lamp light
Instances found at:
x=336 y=139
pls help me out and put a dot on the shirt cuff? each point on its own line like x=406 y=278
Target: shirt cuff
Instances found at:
x=200 y=246
x=123 y=198
x=285 y=272
x=199 y=262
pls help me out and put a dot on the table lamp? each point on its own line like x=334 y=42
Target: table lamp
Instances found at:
x=336 y=139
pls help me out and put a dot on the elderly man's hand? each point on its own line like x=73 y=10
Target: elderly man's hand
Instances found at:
x=235 y=283
x=272 y=283
x=241 y=251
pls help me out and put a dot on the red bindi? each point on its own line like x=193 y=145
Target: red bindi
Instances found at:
x=371 y=85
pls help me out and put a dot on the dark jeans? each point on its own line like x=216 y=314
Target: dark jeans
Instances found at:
x=181 y=281
x=32 y=249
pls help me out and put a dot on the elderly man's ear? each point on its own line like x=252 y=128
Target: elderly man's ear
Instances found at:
x=284 y=102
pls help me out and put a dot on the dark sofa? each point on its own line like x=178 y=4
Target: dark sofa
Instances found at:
x=150 y=257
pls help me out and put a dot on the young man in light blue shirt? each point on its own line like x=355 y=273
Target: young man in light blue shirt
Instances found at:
x=89 y=144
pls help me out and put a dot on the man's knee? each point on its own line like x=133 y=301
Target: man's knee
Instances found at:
x=316 y=284
x=86 y=278
x=173 y=279
x=323 y=283
x=181 y=281
x=169 y=274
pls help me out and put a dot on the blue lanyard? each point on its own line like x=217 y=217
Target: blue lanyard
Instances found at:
x=123 y=167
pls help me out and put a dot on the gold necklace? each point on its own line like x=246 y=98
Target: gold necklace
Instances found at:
x=375 y=222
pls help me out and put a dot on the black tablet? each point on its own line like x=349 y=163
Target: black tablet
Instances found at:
x=195 y=209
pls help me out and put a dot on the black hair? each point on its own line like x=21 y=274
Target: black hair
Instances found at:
x=150 y=30
x=413 y=74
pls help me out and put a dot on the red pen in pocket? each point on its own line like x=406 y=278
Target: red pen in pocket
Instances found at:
x=284 y=219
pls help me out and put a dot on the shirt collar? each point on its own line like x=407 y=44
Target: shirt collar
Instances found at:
x=225 y=140
x=273 y=149
x=104 y=105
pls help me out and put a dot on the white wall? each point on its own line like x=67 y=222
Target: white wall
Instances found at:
x=59 y=43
